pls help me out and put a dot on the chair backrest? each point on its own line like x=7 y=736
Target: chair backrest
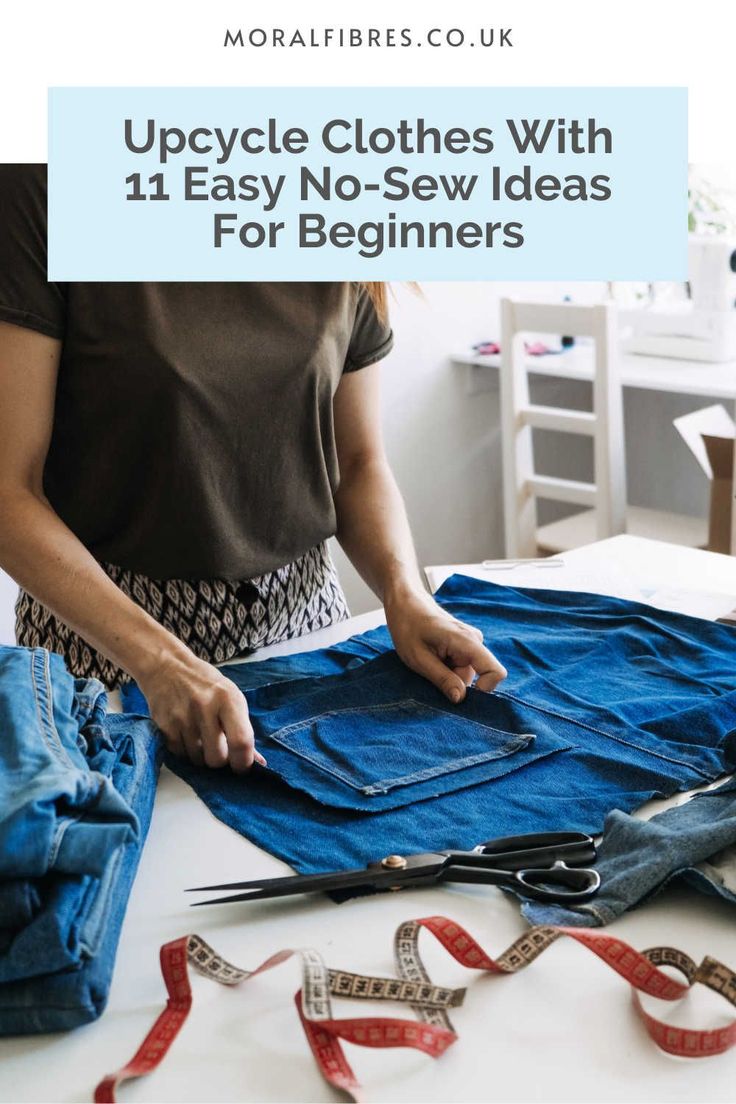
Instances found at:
x=522 y=484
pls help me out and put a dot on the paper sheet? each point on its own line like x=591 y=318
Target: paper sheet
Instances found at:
x=695 y=603
x=605 y=577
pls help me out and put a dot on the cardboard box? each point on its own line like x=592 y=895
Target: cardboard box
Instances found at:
x=709 y=434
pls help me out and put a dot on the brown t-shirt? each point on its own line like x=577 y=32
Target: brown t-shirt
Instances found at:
x=193 y=429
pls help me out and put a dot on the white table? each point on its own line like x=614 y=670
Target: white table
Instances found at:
x=563 y=1030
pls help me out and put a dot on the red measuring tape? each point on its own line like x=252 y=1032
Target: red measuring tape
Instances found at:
x=432 y=1032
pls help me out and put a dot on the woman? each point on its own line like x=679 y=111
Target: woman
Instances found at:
x=173 y=458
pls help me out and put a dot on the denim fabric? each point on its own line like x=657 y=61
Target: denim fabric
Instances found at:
x=638 y=858
x=380 y=737
x=58 y=808
x=624 y=703
x=77 y=791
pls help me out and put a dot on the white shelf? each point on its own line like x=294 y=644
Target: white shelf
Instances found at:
x=579 y=529
x=649 y=373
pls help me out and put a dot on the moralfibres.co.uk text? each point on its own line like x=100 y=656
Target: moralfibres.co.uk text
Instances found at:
x=359 y=37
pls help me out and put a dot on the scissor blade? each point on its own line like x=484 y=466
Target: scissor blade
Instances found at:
x=532 y=841
x=286 y=880
x=309 y=883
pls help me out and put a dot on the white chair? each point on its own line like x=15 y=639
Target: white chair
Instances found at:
x=522 y=484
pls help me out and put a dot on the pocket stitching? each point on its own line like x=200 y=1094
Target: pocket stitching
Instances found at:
x=515 y=742
x=518 y=743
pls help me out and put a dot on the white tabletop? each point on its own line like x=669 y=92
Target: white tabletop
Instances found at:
x=562 y=1030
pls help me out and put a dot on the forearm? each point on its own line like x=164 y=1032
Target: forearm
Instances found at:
x=373 y=529
x=42 y=554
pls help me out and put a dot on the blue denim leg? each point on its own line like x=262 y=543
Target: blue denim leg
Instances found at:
x=57 y=811
x=19 y=903
x=65 y=823
x=76 y=991
x=77 y=789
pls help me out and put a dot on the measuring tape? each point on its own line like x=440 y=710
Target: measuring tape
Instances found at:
x=431 y=1032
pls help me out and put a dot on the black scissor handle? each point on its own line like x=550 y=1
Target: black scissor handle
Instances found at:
x=539 y=849
x=560 y=883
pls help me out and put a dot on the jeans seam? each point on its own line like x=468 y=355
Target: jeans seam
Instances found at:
x=333 y=772
x=296 y=725
x=89 y=938
x=86 y=943
x=64 y=825
x=43 y=697
x=604 y=915
x=600 y=732
x=518 y=743
x=138 y=779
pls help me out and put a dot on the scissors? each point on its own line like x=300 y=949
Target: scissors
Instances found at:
x=546 y=866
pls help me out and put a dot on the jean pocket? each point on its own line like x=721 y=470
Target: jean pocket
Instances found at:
x=384 y=755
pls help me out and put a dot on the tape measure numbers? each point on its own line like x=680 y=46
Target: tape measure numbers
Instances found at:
x=432 y=1031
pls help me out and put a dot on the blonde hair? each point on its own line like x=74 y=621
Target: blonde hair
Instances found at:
x=378 y=294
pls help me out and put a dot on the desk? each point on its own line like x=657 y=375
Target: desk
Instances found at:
x=563 y=1030
x=649 y=373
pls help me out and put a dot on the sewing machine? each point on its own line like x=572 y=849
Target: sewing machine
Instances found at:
x=702 y=327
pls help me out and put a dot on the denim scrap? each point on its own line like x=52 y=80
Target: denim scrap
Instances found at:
x=642 y=701
x=638 y=858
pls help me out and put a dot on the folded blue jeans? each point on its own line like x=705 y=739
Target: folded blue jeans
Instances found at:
x=76 y=793
x=58 y=808
x=608 y=703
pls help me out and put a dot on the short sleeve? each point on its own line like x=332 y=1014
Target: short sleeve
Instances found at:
x=26 y=296
x=372 y=338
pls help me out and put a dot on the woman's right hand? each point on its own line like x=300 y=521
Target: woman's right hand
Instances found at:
x=201 y=714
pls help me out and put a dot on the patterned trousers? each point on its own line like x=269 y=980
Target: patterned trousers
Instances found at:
x=218 y=619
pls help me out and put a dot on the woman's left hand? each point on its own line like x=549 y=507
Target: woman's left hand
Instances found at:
x=446 y=651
